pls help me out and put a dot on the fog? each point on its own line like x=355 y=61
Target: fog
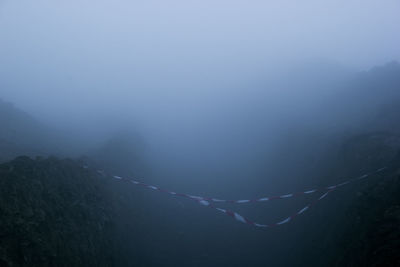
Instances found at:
x=213 y=86
x=232 y=99
x=204 y=83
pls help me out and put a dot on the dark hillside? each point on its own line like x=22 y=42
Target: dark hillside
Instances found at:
x=54 y=213
x=57 y=213
x=372 y=233
x=369 y=231
x=340 y=234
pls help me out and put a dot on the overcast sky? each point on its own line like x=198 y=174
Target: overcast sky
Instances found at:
x=80 y=59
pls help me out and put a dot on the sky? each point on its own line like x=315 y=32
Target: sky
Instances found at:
x=178 y=68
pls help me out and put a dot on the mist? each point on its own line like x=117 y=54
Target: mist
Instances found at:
x=186 y=73
x=231 y=98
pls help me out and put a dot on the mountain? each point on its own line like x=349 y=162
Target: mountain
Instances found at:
x=369 y=101
x=20 y=134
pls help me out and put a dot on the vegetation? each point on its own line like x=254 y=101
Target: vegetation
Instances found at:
x=53 y=213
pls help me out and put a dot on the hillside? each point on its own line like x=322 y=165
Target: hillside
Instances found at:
x=368 y=232
x=53 y=213
x=21 y=134
x=56 y=213
x=372 y=233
